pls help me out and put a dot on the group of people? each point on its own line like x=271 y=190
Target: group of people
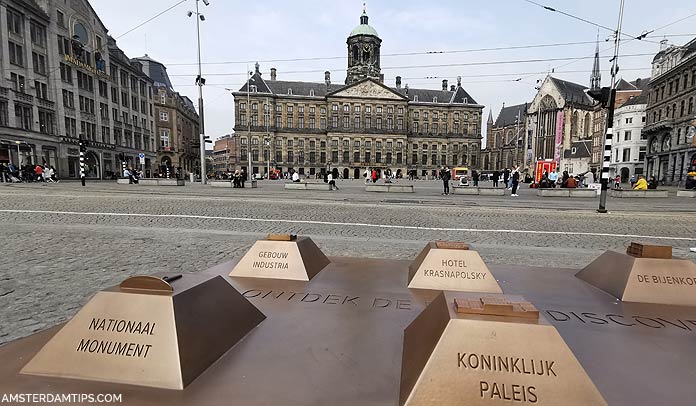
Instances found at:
x=373 y=175
x=565 y=181
x=510 y=177
x=239 y=178
x=133 y=175
x=28 y=173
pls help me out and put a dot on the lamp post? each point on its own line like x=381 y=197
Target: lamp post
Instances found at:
x=200 y=82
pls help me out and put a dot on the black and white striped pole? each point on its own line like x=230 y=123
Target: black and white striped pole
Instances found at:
x=607 y=96
x=83 y=149
x=606 y=159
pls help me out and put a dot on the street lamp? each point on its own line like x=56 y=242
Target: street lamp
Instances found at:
x=200 y=82
x=267 y=142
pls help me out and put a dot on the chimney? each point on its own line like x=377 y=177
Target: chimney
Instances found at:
x=273 y=73
x=398 y=82
x=327 y=78
x=663 y=45
x=406 y=87
x=453 y=88
x=381 y=78
x=444 y=84
x=256 y=69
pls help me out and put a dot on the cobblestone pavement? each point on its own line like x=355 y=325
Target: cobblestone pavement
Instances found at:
x=63 y=242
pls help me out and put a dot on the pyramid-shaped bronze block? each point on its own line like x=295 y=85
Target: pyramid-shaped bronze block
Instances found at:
x=149 y=332
x=483 y=359
x=451 y=266
x=643 y=280
x=280 y=257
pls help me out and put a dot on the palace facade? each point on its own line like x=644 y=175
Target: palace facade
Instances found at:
x=312 y=127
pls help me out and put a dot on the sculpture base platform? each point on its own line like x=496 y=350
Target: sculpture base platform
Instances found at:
x=338 y=339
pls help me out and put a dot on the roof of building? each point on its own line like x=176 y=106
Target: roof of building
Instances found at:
x=642 y=99
x=623 y=85
x=508 y=114
x=689 y=48
x=641 y=84
x=282 y=87
x=572 y=92
x=155 y=70
x=583 y=149
x=116 y=54
x=187 y=102
x=363 y=28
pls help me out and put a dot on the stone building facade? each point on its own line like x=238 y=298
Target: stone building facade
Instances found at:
x=629 y=144
x=62 y=79
x=624 y=91
x=176 y=124
x=560 y=115
x=312 y=127
x=506 y=139
x=671 y=113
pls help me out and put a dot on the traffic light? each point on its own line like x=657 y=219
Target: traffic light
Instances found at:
x=601 y=95
x=83 y=145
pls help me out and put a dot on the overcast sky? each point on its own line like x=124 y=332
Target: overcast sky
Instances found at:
x=237 y=33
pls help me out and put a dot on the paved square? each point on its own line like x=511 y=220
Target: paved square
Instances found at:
x=64 y=242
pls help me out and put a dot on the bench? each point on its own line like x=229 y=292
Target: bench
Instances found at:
x=161 y=182
x=220 y=183
x=389 y=188
x=478 y=191
x=630 y=193
x=228 y=183
x=590 y=193
x=686 y=193
x=307 y=186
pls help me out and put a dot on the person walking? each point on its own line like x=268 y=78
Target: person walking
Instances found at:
x=332 y=182
x=374 y=175
x=515 y=182
x=506 y=178
x=495 y=178
x=38 y=170
x=617 y=182
x=475 y=176
x=445 y=176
